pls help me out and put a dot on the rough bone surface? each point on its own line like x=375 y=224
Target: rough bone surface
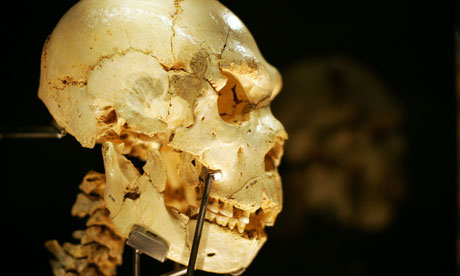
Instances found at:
x=182 y=86
x=101 y=248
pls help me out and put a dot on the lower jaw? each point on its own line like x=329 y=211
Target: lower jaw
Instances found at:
x=221 y=250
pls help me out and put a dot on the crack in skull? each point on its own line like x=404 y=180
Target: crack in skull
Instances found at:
x=182 y=86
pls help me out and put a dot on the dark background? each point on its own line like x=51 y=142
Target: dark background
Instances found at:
x=409 y=46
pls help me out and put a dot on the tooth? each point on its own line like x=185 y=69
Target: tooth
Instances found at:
x=226 y=209
x=245 y=217
x=241 y=226
x=213 y=205
x=231 y=223
x=210 y=216
x=222 y=220
x=268 y=217
x=244 y=220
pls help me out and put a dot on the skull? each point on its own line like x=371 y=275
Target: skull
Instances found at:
x=182 y=86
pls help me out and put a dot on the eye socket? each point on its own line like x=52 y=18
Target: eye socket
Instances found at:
x=233 y=104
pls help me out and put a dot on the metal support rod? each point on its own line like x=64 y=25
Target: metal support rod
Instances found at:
x=199 y=225
x=137 y=262
x=36 y=132
x=176 y=272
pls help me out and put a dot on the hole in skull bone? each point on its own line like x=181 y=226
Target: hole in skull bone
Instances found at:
x=132 y=193
x=137 y=162
x=232 y=103
x=109 y=118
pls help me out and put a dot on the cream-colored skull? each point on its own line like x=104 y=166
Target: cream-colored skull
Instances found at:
x=182 y=86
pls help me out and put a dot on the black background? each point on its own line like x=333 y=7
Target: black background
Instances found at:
x=410 y=46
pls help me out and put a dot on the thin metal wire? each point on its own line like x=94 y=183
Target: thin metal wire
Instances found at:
x=199 y=225
x=137 y=262
x=35 y=132
x=176 y=272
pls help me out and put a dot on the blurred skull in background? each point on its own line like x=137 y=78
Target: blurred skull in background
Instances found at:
x=345 y=151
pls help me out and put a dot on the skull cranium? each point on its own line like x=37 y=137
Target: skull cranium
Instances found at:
x=182 y=86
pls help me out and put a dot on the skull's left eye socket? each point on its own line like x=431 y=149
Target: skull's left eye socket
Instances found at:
x=233 y=104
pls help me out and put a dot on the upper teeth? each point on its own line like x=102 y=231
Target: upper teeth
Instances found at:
x=213 y=205
x=226 y=210
x=231 y=223
x=225 y=214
